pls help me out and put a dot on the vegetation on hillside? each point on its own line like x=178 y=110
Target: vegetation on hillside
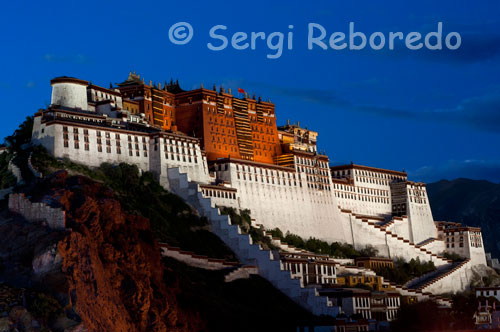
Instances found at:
x=18 y=147
x=21 y=135
x=172 y=220
x=244 y=220
x=404 y=271
x=335 y=249
x=452 y=256
x=7 y=179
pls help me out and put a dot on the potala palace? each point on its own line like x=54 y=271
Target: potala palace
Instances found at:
x=214 y=149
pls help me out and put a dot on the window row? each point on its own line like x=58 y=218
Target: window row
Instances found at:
x=363 y=198
x=361 y=190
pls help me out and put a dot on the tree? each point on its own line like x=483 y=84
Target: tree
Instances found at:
x=369 y=251
x=21 y=135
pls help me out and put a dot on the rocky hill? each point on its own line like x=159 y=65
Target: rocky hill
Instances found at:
x=107 y=268
x=104 y=272
x=471 y=202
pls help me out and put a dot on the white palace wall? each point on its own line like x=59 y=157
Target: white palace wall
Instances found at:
x=401 y=226
x=279 y=197
x=93 y=146
x=421 y=222
x=466 y=242
x=70 y=94
x=363 y=200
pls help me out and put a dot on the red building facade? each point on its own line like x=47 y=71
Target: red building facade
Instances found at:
x=228 y=127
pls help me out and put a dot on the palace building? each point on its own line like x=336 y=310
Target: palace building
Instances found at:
x=227 y=127
x=233 y=149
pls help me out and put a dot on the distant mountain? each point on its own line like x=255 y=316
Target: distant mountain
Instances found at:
x=471 y=202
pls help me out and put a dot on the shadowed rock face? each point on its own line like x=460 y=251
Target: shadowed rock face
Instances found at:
x=111 y=265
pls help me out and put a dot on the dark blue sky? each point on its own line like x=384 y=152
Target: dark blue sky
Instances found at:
x=434 y=113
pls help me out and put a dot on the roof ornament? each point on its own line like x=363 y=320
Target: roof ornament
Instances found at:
x=201 y=85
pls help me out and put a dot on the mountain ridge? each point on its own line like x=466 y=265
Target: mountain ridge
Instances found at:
x=470 y=202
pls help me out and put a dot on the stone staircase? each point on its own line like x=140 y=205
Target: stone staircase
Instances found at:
x=194 y=260
x=32 y=168
x=394 y=241
x=420 y=295
x=243 y=272
x=426 y=242
x=420 y=282
x=389 y=225
x=446 y=279
x=276 y=241
x=14 y=169
x=342 y=267
x=268 y=264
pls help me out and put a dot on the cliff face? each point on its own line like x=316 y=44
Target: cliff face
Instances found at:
x=113 y=268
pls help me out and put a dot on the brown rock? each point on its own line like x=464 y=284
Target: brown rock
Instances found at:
x=113 y=264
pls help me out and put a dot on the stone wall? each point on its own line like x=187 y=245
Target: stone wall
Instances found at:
x=55 y=218
x=15 y=171
x=421 y=221
x=280 y=197
x=199 y=261
x=36 y=173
